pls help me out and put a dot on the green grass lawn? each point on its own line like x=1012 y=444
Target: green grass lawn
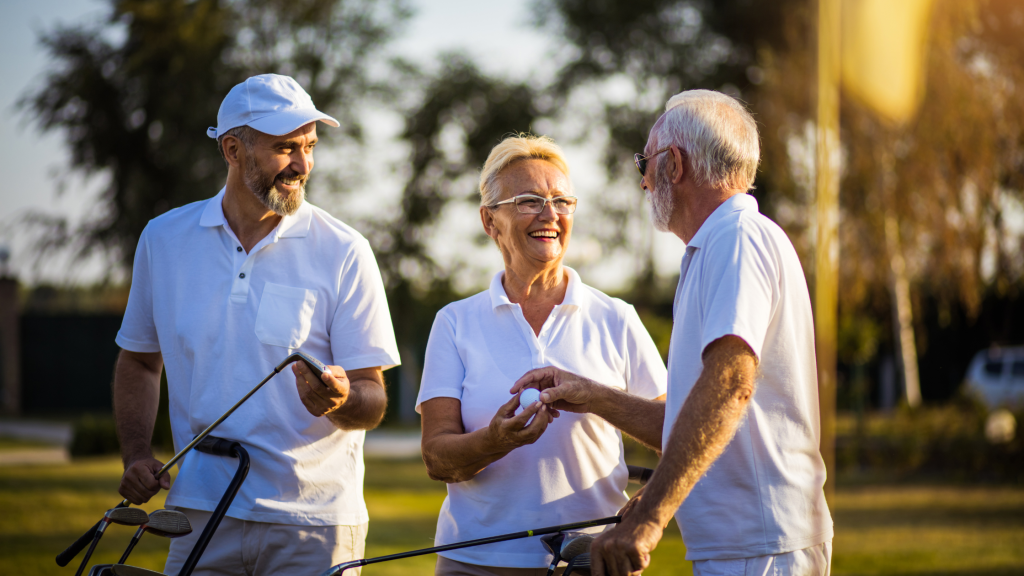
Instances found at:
x=883 y=529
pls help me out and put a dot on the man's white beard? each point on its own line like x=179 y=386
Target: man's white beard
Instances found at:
x=662 y=202
x=263 y=188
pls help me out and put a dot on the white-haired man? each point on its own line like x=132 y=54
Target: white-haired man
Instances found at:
x=222 y=291
x=741 y=468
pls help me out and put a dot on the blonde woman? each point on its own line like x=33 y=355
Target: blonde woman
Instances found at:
x=509 y=471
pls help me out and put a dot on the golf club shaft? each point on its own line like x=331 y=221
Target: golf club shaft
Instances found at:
x=199 y=437
x=340 y=568
x=95 y=540
x=131 y=545
x=71 y=551
x=67 y=555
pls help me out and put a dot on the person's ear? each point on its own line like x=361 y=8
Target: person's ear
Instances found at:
x=677 y=167
x=487 y=219
x=234 y=152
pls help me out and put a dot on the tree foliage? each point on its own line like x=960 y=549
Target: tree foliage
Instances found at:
x=953 y=176
x=134 y=94
x=459 y=116
x=661 y=47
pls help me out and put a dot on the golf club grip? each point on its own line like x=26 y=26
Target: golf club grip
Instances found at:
x=639 y=474
x=65 y=557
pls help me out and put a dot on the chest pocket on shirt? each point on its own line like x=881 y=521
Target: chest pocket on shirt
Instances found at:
x=285 y=315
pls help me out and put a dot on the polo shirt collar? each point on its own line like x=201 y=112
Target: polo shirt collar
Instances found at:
x=292 y=226
x=575 y=294
x=736 y=203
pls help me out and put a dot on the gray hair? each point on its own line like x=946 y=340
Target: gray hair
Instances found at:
x=245 y=134
x=718 y=135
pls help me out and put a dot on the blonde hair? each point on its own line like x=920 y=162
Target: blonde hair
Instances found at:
x=511 y=149
x=718 y=134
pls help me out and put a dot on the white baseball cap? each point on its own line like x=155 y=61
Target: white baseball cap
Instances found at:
x=270 y=103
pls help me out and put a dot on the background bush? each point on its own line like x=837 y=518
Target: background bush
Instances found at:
x=940 y=442
x=94 y=435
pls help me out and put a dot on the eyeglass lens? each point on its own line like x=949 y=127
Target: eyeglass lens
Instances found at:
x=641 y=163
x=535 y=204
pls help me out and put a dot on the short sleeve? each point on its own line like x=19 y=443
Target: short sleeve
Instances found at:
x=361 y=332
x=646 y=375
x=443 y=369
x=138 y=329
x=739 y=287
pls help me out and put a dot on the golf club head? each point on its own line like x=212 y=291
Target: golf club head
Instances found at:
x=576 y=545
x=315 y=366
x=553 y=542
x=579 y=565
x=127 y=516
x=169 y=524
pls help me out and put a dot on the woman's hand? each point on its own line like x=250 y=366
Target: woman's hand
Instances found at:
x=508 y=430
x=562 y=390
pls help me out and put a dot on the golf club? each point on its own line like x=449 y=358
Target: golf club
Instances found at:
x=316 y=366
x=576 y=552
x=580 y=564
x=340 y=568
x=553 y=542
x=166 y=523
x=123 y=516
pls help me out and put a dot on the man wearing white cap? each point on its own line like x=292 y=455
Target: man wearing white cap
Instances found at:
x=222 y=291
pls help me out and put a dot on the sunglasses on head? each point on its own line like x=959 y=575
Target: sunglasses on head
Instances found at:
x=641 y=161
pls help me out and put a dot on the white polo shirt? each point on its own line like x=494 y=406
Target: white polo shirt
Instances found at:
x=741 y=276
x=478 y=348
x=223 y=319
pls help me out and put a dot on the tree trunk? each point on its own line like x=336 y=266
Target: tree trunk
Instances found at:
x=902 y=314
x=826 y=251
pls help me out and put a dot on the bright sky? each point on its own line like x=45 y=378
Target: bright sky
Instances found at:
x=497 y=35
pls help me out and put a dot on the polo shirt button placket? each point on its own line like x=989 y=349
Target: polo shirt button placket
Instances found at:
x=240 y=287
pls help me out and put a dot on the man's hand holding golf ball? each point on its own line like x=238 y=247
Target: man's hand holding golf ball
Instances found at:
x=562 y=390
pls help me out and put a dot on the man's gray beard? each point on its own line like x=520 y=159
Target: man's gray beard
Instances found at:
x=263 y=187
x=662 y=202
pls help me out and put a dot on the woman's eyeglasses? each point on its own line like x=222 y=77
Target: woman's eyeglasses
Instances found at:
x=533 y=204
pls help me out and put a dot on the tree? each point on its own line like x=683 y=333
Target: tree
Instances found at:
x=135 y=94
x=658 y=48
x=937 y=194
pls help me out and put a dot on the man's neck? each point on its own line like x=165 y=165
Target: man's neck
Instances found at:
x=694 y=205
x=248 y=218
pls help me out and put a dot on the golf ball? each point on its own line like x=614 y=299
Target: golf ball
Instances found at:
x=529 y=396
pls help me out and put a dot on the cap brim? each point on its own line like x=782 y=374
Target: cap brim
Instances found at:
x=288 y=121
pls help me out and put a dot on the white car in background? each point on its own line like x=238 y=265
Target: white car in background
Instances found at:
x=996 y=377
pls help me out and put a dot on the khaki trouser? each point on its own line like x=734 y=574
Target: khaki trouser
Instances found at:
x=813 y=561
x=243 y=548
